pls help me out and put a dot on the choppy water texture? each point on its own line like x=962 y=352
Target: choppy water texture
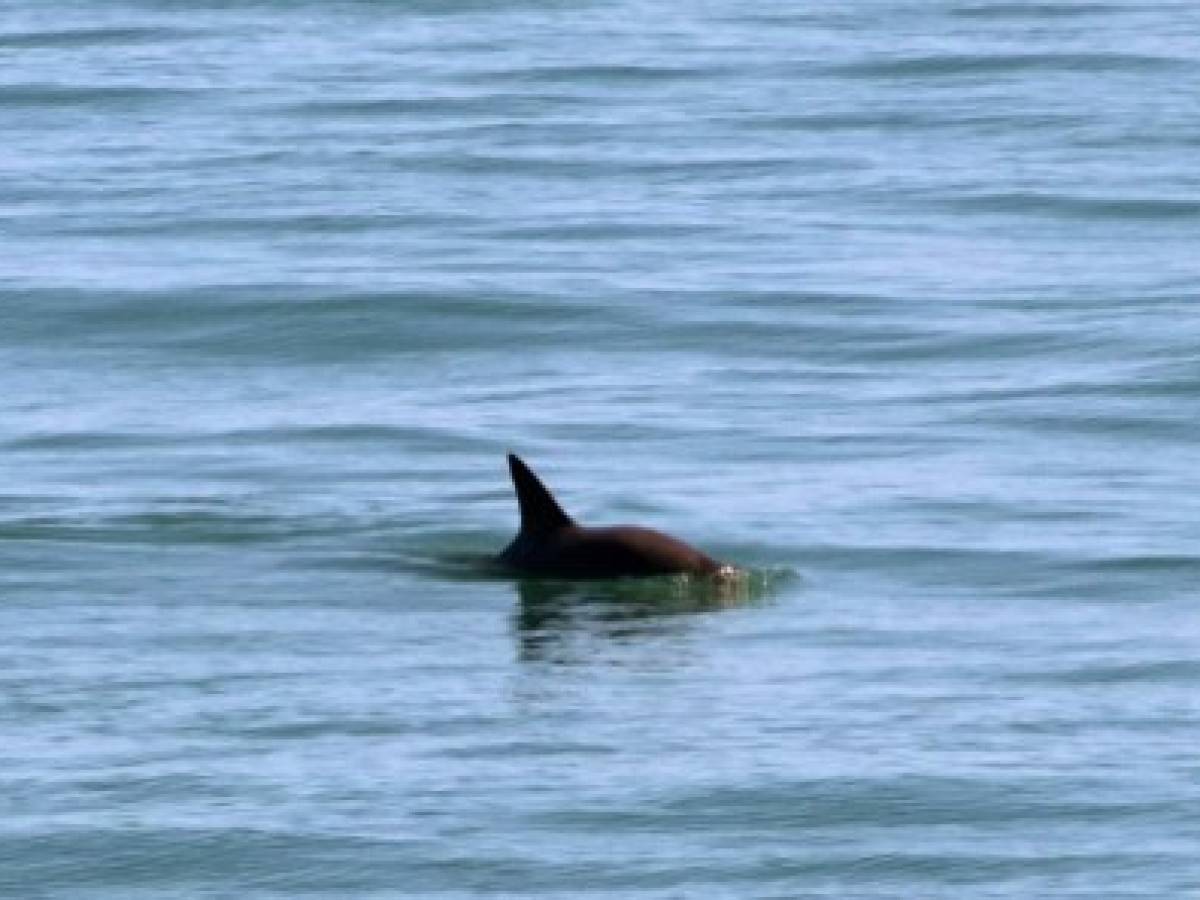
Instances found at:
x=893 y=303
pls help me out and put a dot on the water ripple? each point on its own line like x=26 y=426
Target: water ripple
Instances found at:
x=113 y=97
x=90 y=37
x=952 y=65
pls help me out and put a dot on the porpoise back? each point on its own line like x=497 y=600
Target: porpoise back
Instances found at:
x=551 y=543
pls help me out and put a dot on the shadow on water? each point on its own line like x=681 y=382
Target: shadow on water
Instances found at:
x=552 y=617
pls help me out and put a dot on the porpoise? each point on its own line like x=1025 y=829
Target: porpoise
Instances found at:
x=551 y=543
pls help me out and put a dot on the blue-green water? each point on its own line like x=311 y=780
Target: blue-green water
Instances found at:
x=893 y=303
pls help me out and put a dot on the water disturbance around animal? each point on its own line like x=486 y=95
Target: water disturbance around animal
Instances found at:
x=890 y=303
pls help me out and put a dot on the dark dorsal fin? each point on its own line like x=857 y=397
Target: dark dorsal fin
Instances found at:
x=540 y=512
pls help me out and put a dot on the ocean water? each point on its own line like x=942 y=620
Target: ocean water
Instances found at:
x=891 y=303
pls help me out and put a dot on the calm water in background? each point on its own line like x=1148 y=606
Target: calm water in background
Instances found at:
x=891 y=302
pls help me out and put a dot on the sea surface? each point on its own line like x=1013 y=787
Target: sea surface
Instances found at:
x=892 y=303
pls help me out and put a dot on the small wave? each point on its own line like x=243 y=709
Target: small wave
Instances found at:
x=525 y=749
x=1147 y=427
x=86 y=441
x=412 y=437
x=167 y=527
x=1011 y=567
x=1180 y=671
x=320 y=728
x=900 y=120
x=1155 y=563
x=460 y=113
x=750 y=167
x=91 y=37
x=156 y=860
x=349 y=433
x=259 y=224
x=309 y=327
x=473 y=565
x=588 y=74
x=954 y=64
x=615 y=231
x=1035 y=10
x=905 y=801
x=1012 y=344
x=51 y=96
x=847 y=121
x=1069 y=206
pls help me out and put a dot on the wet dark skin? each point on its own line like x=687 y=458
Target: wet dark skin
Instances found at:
x=551 y=543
